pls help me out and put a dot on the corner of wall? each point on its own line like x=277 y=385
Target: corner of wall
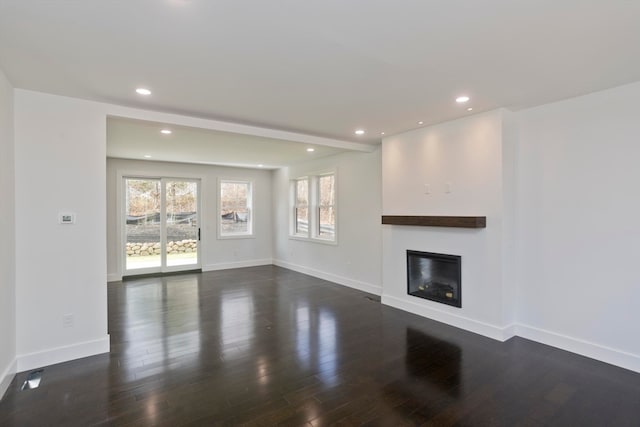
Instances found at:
x=7 y=376
x=61 y=354
x=358 y=192
x=496 y=332
x=7 y=231
x=68 y=174
x=509 y=209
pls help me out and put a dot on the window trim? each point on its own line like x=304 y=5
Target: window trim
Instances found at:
x=250 y=206
x=313 y=234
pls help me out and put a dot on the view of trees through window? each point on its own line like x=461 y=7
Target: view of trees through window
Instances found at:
x=302 y=206
x=143 y=221
x=143 y=198
x=235 y=207
x=314 y=210
x=181 y=201
x=327 y=223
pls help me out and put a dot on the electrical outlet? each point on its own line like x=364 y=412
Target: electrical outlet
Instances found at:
x=427 y=189
x=67 y=320
x=447 y=187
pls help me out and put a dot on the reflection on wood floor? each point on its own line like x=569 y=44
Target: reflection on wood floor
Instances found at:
x=268 y=346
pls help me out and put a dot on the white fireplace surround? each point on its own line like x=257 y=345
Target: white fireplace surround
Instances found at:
x=464 y=164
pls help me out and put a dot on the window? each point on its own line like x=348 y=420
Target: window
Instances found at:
x=235 y=206
x=301 y=209
x=326 y=207
x=314 y=207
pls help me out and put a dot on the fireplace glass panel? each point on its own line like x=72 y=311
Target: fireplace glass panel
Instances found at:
x=434 y=277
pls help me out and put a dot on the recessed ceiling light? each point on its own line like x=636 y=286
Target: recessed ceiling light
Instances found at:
x=260 y=166
x=470 y=109
x=143 y=91
x=147 y=156
x=359 y=132
x=420 y=122
x=166 y=131
x=381 y=133
x=462 y=99
x=311 y=150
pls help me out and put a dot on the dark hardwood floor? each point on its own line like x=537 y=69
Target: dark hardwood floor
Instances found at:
x=268 y=346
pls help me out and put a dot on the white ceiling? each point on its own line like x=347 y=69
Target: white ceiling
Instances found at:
x=133 y=139
x=321 y=67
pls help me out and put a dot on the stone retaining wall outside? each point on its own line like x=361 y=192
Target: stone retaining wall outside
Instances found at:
x=151 y=232
x=174 y=247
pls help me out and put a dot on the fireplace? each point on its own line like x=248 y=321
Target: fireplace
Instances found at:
x=435 y=277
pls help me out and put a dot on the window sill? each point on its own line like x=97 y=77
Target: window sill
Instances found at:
x=314 y=240
x=236 y=236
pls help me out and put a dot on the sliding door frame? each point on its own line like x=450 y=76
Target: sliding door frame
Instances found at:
x=122 y=176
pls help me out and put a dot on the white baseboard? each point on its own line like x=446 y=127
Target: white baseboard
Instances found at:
x=510 y=331
x=492 y=331
x=62 y=354
x=345 y=281
x=7 y=377
x=585 y=348
x=115 y=277
x=237 y=264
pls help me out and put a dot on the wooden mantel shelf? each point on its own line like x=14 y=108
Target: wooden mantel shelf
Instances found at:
x=437 y=221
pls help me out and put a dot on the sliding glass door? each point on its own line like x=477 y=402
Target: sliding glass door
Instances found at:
x=182 y=223
x=161 y=225
x=143 y=248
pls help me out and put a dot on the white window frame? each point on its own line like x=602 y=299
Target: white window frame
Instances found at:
x=250 y=234
x=313 y=233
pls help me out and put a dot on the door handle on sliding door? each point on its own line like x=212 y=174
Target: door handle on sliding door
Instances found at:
x=198 y=234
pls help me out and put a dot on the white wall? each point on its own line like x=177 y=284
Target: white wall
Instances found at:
x=7 y=242
x=60 y=157
x=470 y=154
x=579 y=233
x=217 y=254
x=355 y=260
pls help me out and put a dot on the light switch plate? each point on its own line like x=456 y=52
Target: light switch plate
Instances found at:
x=66 y=218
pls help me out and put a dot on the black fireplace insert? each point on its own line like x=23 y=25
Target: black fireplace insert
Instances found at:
x=435 y=277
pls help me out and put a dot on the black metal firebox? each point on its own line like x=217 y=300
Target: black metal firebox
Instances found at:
x=435 y=277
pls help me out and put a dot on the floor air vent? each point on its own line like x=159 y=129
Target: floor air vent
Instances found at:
x=33 y=380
